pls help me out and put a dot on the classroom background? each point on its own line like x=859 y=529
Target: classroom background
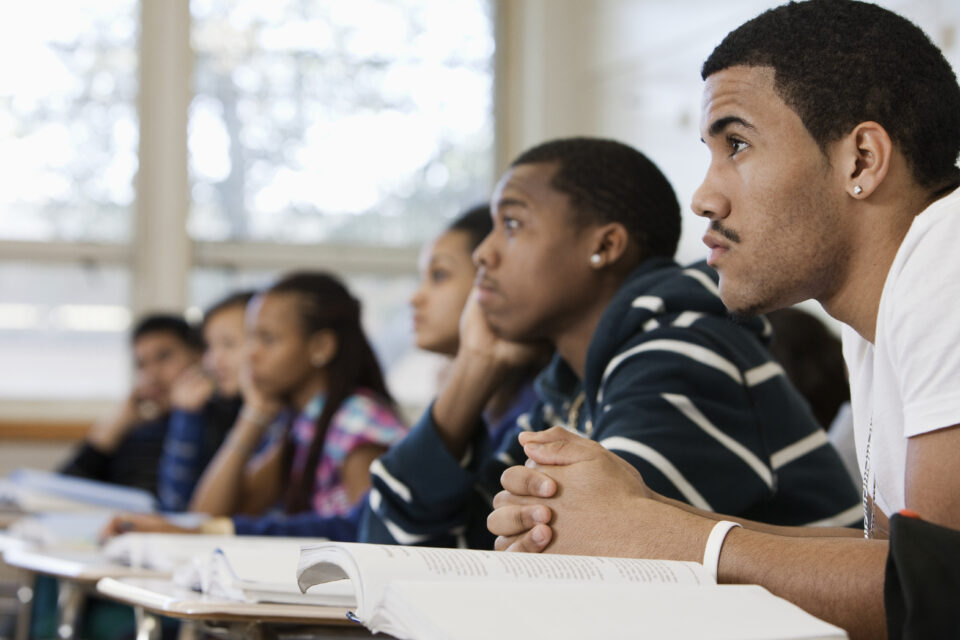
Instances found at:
x=156 y=154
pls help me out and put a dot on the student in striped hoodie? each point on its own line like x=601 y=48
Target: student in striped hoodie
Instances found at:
x=648 y=363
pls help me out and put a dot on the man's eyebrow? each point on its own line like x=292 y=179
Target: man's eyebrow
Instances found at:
x=717 y=126
x=510 y=202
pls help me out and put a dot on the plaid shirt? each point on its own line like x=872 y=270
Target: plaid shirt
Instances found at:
x=362 y=419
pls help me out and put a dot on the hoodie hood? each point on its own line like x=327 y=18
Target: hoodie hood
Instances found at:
x=657 y=293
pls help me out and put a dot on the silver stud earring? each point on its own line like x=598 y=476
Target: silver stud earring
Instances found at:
x=596 y=259
x=857 y=190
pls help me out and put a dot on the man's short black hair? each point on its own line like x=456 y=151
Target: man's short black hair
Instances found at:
x=475 y=222
x=167 y=323
x=838 y=63
x=608 y=181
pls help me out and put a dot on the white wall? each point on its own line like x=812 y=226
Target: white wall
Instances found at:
x=630 y=70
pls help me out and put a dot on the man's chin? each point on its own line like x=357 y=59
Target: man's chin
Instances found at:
x=506 y=331
x=745 y=310
x=740 y=309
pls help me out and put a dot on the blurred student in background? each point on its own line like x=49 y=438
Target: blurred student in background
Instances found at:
x=206 y=402
x=812 y=357
x=447 y=273
x=303 y=444
x=125 y=447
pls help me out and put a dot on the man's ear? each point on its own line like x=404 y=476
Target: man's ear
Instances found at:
x=866 y=154
x=610 y=242
x=322 y=347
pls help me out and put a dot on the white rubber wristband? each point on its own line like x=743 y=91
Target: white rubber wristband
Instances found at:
x=711 y=553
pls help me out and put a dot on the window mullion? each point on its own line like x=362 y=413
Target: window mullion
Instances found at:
x=161 y=246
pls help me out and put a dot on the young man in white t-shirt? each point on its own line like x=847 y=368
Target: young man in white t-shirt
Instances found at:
x=834 y=129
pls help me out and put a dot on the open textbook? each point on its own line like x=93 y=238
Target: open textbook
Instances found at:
x=251 y=569
x=265 y=571
x=241 y=569
x=457 y=594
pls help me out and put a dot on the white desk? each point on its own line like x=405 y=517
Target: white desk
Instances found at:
x=227 y=617
x=77 y=573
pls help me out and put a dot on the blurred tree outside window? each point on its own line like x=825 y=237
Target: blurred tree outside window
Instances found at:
x=323 y=121
x=315 y=122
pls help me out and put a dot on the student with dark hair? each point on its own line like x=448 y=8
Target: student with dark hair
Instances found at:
x=206 y=402
x=834 y=131
x=125 y=447
x=447 y=274
x=319 y=415
x=647 y=362
x=446 y=277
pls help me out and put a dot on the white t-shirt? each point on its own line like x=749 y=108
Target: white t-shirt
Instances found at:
x=908 y=381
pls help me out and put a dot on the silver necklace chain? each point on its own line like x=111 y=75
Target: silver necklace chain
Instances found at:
x=869 y=498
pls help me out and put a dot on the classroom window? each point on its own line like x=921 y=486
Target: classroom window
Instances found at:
x=63 y=330
x=325 y=125
x=68 y=120
x=327 y=121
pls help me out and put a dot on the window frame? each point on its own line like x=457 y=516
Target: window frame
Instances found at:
x=160 y=255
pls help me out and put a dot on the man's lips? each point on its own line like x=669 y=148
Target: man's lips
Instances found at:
x=486 y=288
x=717 y=248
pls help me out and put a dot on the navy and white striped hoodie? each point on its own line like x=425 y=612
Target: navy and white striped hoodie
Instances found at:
x=688 y=396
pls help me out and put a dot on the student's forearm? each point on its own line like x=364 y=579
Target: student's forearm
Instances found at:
x=459 y=406
x=837 y=579
x=220 y=487
x=105 y=436
x=796 y=532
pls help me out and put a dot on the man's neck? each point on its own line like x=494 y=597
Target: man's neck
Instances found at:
x=856 y=301
x=573 y=341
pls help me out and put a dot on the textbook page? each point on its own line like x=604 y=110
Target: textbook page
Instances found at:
x=429 y=610
x=370 y=567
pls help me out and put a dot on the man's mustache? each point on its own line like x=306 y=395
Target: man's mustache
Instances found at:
x=729 y=234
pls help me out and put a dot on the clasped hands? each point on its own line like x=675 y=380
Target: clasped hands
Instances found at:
x=572 y=496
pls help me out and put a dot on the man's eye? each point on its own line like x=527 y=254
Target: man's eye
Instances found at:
x=438 y=275
x=511 y=224
x=736 y=145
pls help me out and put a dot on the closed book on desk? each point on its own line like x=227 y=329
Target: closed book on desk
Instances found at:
x=459 y=594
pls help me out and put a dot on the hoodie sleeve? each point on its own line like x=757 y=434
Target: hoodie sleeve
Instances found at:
x=422 y=495
x=704 y=415
x=182 y=461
